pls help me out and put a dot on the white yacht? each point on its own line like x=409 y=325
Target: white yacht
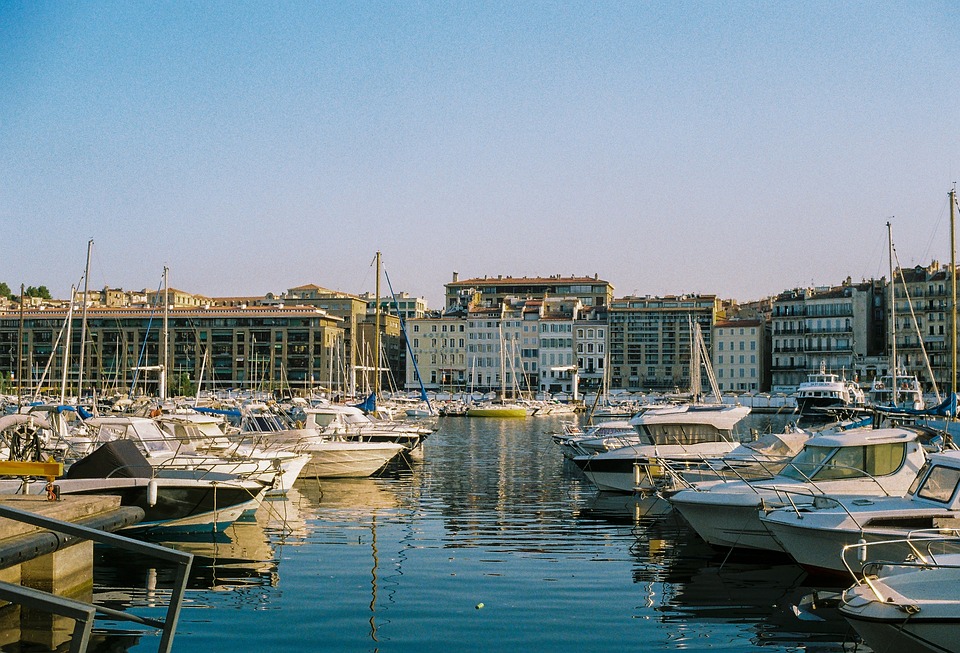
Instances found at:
x=865 y=461
x=815 y=534
x=604 y=436
x=331 y=456
x=827 y=390
x=909 y=393
x=681 y=434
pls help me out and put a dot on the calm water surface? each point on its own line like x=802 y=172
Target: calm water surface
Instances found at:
x=491 y=543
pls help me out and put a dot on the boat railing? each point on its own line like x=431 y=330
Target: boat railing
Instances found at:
x=920 y=544
x=721 y=469
x=84 y=614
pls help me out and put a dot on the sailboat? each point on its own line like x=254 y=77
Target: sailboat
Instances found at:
x=499 y=407
x=896 y=390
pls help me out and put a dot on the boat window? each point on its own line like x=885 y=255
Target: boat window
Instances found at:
x=645 y=437
x=805 y=463
x=152 y=438
x=322 y=419
x=940 y=484
x=869 y=460
x=684 y=434
x=916 y=481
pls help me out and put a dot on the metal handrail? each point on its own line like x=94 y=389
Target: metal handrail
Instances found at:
x=913 y=539
x=83 y=613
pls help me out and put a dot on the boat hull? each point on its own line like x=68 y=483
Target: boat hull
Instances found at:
x=493 y=411
x=179 y=508
x=727 y=524
x=349 y=459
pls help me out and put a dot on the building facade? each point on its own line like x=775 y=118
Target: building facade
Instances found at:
x=491 y=291
x=739 y=350
x=221 y=348
x=837 y=328
x=649 y=339
x=923 y=293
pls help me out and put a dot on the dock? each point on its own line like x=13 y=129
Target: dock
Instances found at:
x=56 y=563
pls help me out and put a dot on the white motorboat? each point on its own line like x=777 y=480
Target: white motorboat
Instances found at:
x=827 y=390
x=161 y=450
x=173 y=501
x=815 y=534
x=331 y=456
x=726 y=513
x=205 y=435
x=905 y=387
x=681 y=434
x=757 y=459
x=342 y=422
x=604 y=436
x=910 y=605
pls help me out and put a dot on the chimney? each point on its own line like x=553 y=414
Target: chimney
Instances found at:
x=456 y=276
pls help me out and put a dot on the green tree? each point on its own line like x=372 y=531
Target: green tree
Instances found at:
x=40 y=291
x=5 y=290
x=182 y=386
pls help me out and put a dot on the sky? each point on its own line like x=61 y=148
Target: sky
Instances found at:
x=729 y=148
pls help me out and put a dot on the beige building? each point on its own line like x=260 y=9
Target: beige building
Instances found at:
x=924 y=292
x=837 y=327
x=739 y=348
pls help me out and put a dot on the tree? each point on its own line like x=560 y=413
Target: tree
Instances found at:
x=42 y=292
x=5 y=290
x=182 y=386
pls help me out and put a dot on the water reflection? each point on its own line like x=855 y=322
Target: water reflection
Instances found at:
x=491 y=514
x=243 y=556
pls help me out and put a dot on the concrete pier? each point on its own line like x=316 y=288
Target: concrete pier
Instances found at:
x=63 y=565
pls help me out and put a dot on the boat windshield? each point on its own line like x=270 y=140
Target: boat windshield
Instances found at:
x=940 y=484
x=836 y=463
x=682 y=434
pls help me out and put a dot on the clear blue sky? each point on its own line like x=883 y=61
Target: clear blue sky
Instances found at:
x=736 y=148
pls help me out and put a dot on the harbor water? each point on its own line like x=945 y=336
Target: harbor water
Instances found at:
x=491 y=542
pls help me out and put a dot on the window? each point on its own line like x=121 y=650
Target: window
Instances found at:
x=940 y=484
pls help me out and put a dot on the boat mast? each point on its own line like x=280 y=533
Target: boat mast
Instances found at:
x=953 y=286
x=163 y=343
x=83 y=320
x=67 y=348
x=376 y=335
x=893 y=319
x=20 y=355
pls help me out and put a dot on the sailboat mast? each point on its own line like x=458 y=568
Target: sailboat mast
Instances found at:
x=20 y=354
x=953 y=286
x=66 y=348
x=83 y=319
x=376 y=336
x=164 y=338
x=893 y=319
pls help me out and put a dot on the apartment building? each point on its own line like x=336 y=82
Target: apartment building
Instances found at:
x=739 y=351
x=439 y=345
x=838 y=328
x=491 y=291
x=558 y=355
x=218 y=347
x=590 y=336
x=649 y=339
x=923 y=329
